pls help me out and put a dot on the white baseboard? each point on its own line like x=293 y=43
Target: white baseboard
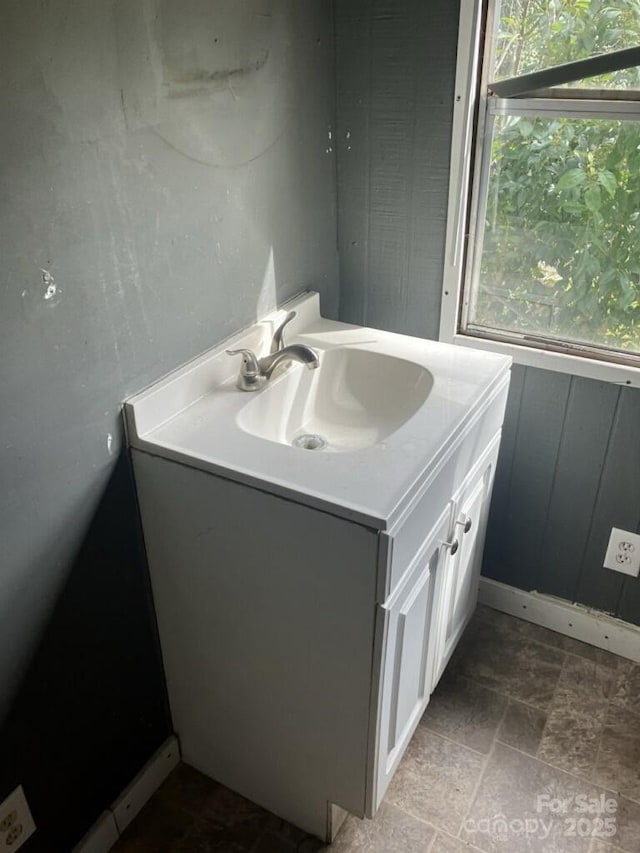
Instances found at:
x=101 y=837
x=112 y=822
x=146 y=783
x=591 y=626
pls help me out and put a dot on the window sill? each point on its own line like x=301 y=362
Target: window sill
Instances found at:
x=604 y=371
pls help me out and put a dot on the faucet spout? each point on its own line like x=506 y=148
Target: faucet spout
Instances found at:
x=255 y=372
x=278 y=336
x=294 y=352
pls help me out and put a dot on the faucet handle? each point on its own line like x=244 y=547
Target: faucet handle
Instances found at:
x=250 y=377
x=277 y=342
x=249 y=359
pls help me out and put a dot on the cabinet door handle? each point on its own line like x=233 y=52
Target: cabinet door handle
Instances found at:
x=452 y=546
x=467 y=524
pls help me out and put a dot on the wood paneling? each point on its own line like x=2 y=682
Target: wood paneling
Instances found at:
x=587 y=425
x=535 y=453
x=617 y=504
x=500 y=498
x=393 y=131
x=569 y=471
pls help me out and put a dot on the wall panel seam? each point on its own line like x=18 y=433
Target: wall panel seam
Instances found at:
x=596 y=499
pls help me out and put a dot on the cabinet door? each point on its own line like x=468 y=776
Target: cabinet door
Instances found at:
x=459 y=589
x=408 y=656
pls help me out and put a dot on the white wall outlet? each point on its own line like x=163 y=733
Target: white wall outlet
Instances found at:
x=623 y=552
x=16 y=822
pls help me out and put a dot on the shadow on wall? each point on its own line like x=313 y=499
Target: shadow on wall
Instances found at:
x=92 y=666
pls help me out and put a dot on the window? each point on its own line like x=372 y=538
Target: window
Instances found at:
x=550 y=267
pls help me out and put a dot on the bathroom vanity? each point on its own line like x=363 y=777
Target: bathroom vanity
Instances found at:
x=309 y=600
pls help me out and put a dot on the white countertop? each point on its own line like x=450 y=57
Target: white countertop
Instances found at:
x=190 y=416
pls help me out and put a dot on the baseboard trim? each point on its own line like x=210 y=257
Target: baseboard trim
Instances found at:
x=101 y=837
x=573 y=620
x=111 y=824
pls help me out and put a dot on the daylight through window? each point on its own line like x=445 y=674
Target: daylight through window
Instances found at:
x=555 y=257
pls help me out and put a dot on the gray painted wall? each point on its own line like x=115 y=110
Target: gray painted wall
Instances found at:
x=569 y=471
x=166 y=175
x=393 y=130
x=570 y=460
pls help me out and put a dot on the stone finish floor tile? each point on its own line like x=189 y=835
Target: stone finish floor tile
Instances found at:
x=519 y=668
x=583 y=680
x=390 y=831
x=159 y=827
x=226 y=809
x=515 y=700
x=205 y=837
x=492 y=622
x=618 y=765
x=447 y=844
x=507 y=816
x=292 y=836
x=584 y=650
x=465 y=712
x=188 y=788
x=575 y=722
x=222 y=809
x=436 y=780
x=503 y=623
x=522 y=727
x=271 y=843
x=627 y=837
x=571 y=738
x=627 y=694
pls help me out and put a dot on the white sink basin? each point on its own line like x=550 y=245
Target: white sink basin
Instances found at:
x=354 y=399
x=398 y=404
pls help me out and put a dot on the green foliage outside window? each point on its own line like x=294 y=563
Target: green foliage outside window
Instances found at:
x=561 y=254
x=536 y=34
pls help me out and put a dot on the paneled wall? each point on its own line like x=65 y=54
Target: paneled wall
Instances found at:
x=570 y=462
x=569 y=470
x=393 y=130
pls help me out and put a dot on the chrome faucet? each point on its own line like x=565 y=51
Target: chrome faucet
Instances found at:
x=294 y=352
x=255 y=372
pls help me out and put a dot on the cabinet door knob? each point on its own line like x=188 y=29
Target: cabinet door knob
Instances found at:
x=467 y=524
x=452 y=546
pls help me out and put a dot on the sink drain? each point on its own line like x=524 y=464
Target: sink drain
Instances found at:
x=310 y=441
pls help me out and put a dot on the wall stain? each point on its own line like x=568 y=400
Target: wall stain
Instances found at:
x=199 y=80
x=50 y=282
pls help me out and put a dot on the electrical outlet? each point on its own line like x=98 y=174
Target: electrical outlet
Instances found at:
x=623 y=552
x=16 y=822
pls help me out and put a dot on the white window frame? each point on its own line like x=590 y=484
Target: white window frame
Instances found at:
x=469 y=101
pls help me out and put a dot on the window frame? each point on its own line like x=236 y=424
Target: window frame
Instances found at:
x=468 y=147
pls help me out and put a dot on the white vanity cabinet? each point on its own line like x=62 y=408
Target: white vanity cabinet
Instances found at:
x=459 y=594
x=308 y=602
x=409 y=624
x=424 y=617
x=294 y=677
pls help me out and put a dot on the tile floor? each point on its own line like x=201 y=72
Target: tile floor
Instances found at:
x=530 y=743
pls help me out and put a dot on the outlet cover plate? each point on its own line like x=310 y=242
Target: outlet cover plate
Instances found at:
x=16 y=815
x=623 y=552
